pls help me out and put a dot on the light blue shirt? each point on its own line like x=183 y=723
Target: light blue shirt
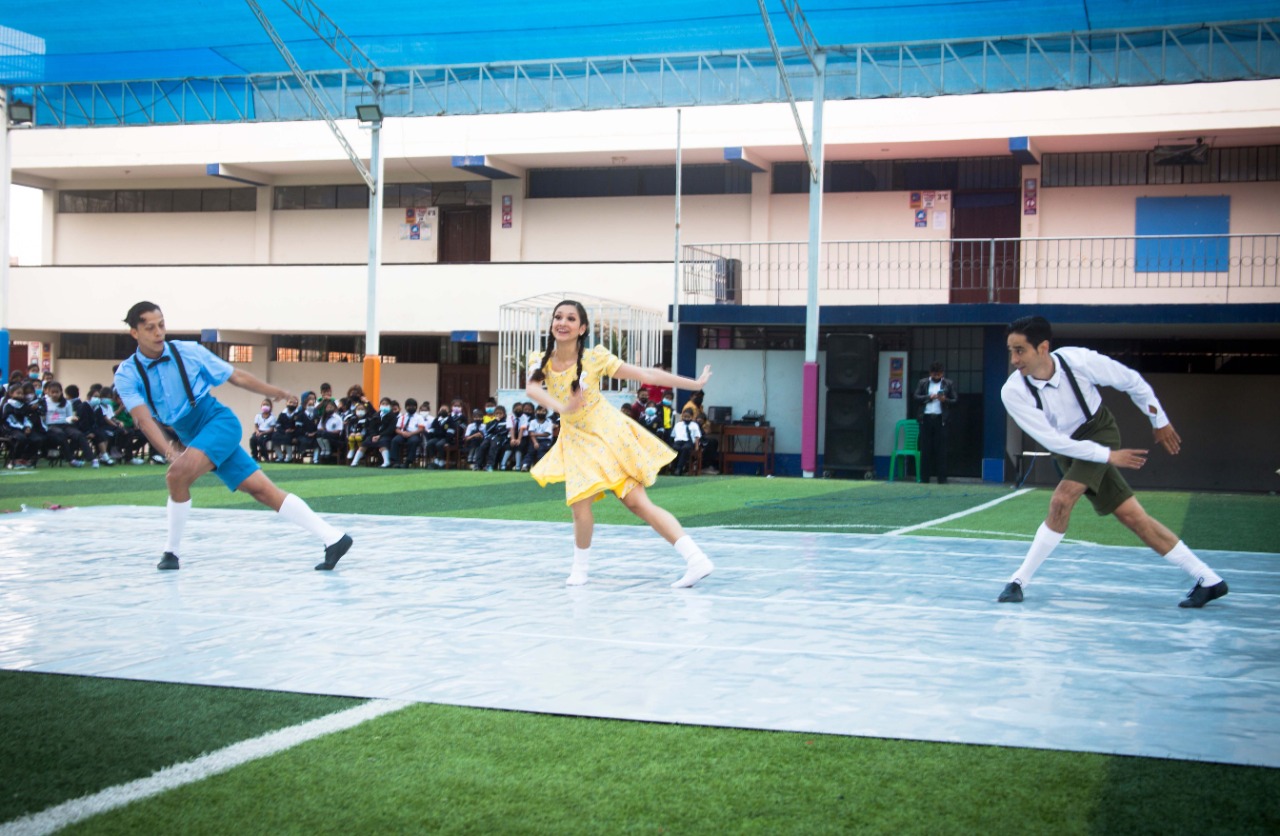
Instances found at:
x=205 y=370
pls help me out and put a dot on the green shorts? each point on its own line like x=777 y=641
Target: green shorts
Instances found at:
x=1104 y=486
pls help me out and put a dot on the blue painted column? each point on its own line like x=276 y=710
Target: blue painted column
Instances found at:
x=995 y=371
x=684 y=344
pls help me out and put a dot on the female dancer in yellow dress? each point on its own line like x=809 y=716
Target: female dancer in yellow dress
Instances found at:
x=599 y=448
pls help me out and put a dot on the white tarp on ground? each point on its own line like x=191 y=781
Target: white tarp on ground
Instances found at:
x=882 y=636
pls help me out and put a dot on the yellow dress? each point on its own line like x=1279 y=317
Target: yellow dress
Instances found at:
x=599 y=449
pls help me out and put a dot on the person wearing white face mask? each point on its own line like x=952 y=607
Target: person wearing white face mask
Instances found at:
x=357 y=427
x=264 y=426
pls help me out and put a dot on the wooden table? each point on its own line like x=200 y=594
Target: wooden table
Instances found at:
x=760 y=453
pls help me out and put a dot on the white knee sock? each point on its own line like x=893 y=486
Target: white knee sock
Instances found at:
x=300 y=514
x=1185 y=559
x=697 y=564
x=1041 y=547
x=177 y=513
x=581 y=559
x=359 y=455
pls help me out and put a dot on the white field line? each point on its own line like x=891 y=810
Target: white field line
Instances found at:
x=69 y=812
x=957 y=515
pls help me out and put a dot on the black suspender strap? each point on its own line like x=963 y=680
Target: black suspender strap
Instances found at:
x=1075 y=387
x=182 y=372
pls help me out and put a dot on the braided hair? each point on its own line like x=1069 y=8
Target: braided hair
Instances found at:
x=539 y=374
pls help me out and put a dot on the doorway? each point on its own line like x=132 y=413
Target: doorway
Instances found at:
x=984 y=269
x=464 y=234
x=468 y=382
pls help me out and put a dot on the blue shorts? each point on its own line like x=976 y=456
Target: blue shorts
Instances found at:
x=214 y=430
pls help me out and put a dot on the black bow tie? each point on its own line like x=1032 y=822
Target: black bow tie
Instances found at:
x=165 y=359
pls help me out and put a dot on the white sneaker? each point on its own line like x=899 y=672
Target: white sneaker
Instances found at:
x=137 y=460
x=77 y=463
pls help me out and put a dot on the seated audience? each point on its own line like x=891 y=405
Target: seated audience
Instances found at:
x=60 y=421
x=406 y=438
x=264 y=427
x=685 y=437
x=473 y=437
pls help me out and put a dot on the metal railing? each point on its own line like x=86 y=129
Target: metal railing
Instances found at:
x=1093 y=270
x=1176 y=54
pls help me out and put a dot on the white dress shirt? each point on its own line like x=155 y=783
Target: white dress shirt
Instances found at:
x=686 y=431
x=1062 y=416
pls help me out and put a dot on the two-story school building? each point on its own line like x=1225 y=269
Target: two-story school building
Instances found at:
x=1145 y=222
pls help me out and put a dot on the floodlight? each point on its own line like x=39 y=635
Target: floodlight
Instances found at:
x=370 y=113
x=21 y=113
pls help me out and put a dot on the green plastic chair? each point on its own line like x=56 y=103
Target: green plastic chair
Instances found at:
x=906 y=442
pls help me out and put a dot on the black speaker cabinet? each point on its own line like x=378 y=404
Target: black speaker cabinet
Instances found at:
x=850 y=430
x=852 y=361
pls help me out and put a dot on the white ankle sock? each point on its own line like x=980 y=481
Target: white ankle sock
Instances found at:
x=697 y=564
x=300 y=514
x=177 y=513
x=1042 y=546
x=1185 y=559
x=581 y=559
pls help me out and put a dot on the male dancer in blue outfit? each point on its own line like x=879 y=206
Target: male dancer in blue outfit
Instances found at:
x=172 y=382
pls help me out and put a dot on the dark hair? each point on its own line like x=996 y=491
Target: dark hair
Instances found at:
x=1035 y=328
x=410 y=402
x=937 y=366
x=134 y=317
x=539 y=374
x=71 y=390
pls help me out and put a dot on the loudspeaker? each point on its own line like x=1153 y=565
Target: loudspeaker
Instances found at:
x=852 y=361
x=850 y=436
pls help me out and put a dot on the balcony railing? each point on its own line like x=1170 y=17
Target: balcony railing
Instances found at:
x=1104 y=270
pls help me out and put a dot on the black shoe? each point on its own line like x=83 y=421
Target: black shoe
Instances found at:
x=1012 y=593
x=334 y=553
x=170 y=561
x=1201 y=594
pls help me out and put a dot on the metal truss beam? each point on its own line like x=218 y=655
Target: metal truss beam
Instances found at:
x=1235 y=51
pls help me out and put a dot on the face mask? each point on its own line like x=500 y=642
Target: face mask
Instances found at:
x=383 y=410
x=266 y=410
x=412 y=410
x=542 y=415
x=666 y=402
x=652 y=412
x=311 y=411
x=488 y=410
x=359 y=413
x=457 y=410
x=95 y=402
x=34 y=375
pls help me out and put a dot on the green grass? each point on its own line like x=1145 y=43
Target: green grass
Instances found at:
x=101 y=732
x=1243 y=522
x=434 y=768
x=431 y=768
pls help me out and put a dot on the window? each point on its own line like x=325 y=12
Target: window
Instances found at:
x=637 y=181
x=75 y=201
x=957 y=174
x=1198 y=221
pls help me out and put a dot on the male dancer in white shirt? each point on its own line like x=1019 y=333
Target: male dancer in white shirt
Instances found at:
x=1053 y=396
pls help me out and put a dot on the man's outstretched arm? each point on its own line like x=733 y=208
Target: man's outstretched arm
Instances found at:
x=245 y=380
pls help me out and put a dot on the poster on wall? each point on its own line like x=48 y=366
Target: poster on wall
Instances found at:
x=896 y=373
x=506 y=211
x=1029 y=196
x=416 y=226
x=915 y=200
x=922 y=218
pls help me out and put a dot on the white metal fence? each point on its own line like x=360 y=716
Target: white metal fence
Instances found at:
x=632 y=333
x=1096 y=270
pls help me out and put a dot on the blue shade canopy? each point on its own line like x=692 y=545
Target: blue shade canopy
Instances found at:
x=43 y=42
